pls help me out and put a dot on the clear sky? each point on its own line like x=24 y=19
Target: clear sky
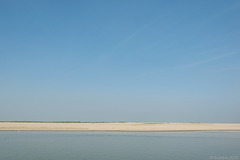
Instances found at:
x=125 y=60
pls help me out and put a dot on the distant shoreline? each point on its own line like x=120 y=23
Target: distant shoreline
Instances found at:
x=114 y=126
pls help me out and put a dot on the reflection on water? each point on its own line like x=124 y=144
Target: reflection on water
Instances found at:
x=72 y=145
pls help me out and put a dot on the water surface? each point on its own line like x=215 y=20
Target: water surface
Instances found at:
x=75 y=145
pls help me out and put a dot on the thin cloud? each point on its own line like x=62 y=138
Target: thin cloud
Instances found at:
x=226 y=69
x=191 y=65
x=141 y=29
x=210 y=59
x=127 y=39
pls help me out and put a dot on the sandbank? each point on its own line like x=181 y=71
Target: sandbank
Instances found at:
x=145 y=127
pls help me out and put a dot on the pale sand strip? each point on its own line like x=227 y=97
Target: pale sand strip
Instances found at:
x=13 y=126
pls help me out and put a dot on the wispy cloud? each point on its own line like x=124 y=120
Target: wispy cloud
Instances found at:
x=190 y=65
x=138 y=31
x=127 y=39
x=210 y=59
x=225 y=69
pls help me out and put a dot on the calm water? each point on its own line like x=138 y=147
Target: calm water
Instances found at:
x=47 y=145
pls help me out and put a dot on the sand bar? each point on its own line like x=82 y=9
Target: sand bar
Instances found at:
x=147 y=127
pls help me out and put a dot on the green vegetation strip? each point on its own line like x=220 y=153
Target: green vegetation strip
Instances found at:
x=54 y=122
x=78 y=122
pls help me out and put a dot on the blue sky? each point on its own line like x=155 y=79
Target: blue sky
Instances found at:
x=150 y=61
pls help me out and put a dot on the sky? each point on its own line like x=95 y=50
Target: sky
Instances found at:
x=127 y=60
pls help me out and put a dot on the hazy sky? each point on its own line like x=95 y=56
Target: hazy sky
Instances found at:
x=120 y=60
